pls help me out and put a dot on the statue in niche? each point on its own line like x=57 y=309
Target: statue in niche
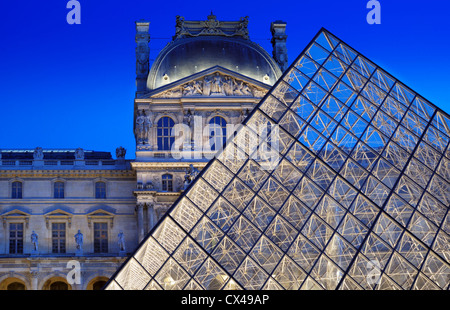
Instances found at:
x=121 y=241
x=34 y=241
x=142 y=128
x=188 y=117
x=38 y=153
x=79 y=240
x=79 y=153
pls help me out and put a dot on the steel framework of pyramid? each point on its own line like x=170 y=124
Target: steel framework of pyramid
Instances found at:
x=357 y=198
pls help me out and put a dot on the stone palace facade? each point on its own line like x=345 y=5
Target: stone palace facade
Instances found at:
x=70 y=217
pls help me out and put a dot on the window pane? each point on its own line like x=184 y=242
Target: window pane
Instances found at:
x=218 y=132
x=100 y=238
x=100 y=190
x=16 y=190
x=164 y=133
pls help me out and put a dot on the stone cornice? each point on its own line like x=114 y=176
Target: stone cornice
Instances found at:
x=167 y=164
x=69 y=173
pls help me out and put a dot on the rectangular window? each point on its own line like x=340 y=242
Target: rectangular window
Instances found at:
x=16 y=238
x=16 y=190
x=100 y=237
x=167 y=183
x=58 y=190
x=58 y=238
x=100 y=190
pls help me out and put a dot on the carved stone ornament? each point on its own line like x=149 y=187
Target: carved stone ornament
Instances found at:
x=79 y=153
x=120 y=152
x=215 y=84
x=142 y=127
x=38 y=153
x=211 y=26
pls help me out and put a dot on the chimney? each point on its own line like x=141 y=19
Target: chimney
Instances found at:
x=142 y=55
x=278 y=29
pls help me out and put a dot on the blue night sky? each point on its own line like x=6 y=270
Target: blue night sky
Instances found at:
x=69 y=86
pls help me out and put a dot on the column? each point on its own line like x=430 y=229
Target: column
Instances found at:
x=34 y=280
x=140 y=220
x=151 y=216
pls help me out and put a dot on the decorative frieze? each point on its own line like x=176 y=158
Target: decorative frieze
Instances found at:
x=215 y=84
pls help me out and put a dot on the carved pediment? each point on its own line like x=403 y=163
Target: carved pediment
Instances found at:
x=15 y=215
x=100 y=214
x=58 y=214
x=216 y=84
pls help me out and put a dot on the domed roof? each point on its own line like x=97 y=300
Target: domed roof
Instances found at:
x=186 y=56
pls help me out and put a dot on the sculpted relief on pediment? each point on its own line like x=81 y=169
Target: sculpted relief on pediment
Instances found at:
x=215 y=84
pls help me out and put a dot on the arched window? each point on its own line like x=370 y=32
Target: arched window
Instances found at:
x=97 y=286
x=16 y=286
x=217 y=132
x=100 y=190
x=164 y=133
x=16 y=190
x=59 y=286
x=167 y=183
x=58 y=190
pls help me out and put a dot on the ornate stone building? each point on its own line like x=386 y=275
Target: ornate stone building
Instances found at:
x=199 y=88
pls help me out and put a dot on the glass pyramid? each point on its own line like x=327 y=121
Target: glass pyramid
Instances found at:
x=338 y=179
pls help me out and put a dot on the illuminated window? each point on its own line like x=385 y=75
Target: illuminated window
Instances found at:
x=100 y=238
x=58 y=238
x=164 y=133
x=16 y=238
x=167 y=183
x=218 y=132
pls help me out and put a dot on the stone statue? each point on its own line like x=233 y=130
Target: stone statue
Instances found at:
x=38 y=153
x=207 y=85
x=191 y=174
x=228 y=86
x=79 y=240
x=188 y=118
x=246 y=90
x=79 y=153
x=244 y=114
x=121 y=241
x=198 y=88
x=216 y=87
x=142 y=128
x=34 y=241
x=188 y=89
x=238 y=87
x=120 y=152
